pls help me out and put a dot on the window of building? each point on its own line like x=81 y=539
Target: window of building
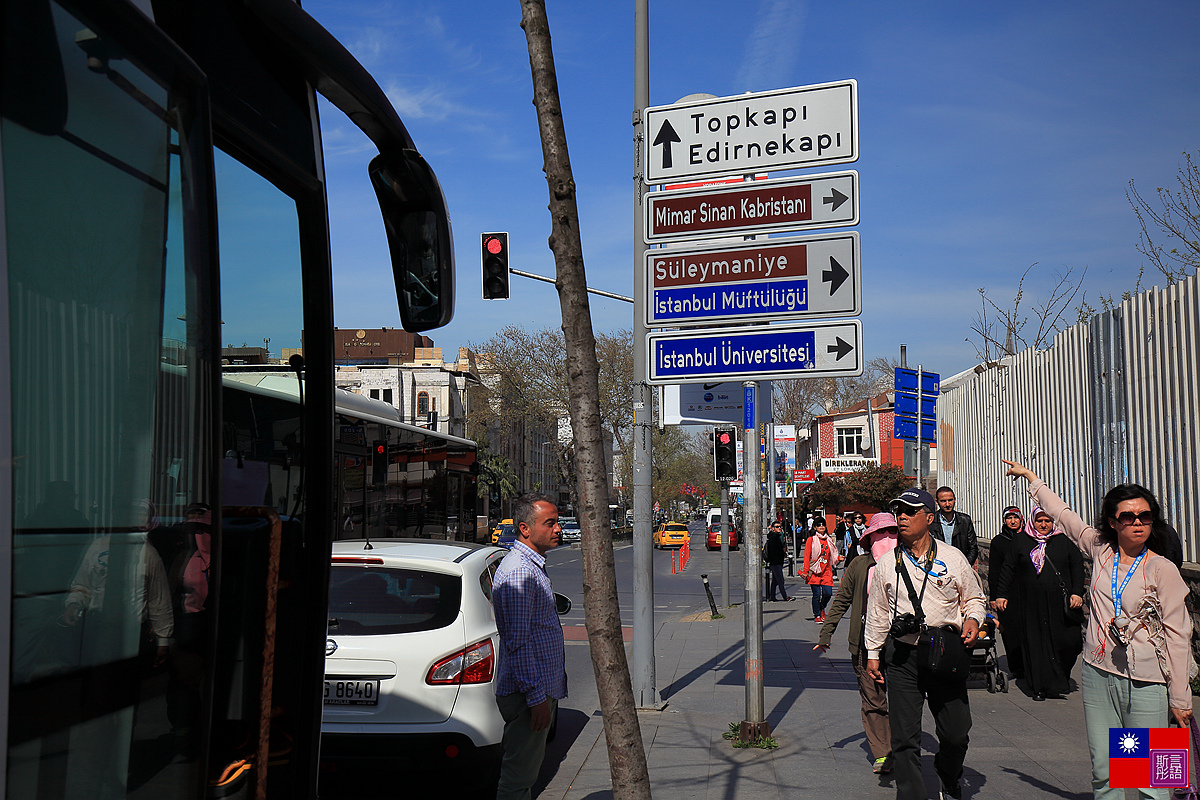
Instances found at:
x=849 y=441
x=387 y=396
x=374 y=394
x=422 y=404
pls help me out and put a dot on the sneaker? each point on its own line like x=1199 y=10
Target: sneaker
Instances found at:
x=820 y=617
x=882 y=765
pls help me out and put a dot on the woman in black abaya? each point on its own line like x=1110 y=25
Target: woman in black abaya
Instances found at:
x=1003 y=551
x=1046 y=567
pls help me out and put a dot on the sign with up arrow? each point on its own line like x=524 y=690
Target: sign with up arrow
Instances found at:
x=781 y=204
x=810 y=350
x=804 y=126
x=754 y=281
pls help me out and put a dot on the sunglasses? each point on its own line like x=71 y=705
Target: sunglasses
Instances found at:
x=1128 y=517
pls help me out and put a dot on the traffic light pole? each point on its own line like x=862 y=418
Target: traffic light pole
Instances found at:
x=755 y=725
x=645 y=691
x=543 y=278
x=725 y=526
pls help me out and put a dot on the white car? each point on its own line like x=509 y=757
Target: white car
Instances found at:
x=411 y=656
x=571 y=532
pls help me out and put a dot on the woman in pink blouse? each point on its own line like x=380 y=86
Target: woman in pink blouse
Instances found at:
x=1137 y=647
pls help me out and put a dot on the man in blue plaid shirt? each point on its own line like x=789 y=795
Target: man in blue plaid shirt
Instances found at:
x=532 y=676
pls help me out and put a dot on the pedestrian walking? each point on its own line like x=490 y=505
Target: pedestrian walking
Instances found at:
x=923 y=636
x=1137 y=649
x=820 y=557
x=1012 y=525
x=776 y=556
x=532 y=677
x=856 y=526
x=878 y=540
x=954 y=527
x=1045 y=571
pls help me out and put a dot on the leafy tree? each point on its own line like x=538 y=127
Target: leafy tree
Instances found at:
x=829 y=492
x=877 y=485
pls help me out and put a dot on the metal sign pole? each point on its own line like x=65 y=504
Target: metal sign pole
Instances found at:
x=754 y=725
x=920 y=398
x=645 y=691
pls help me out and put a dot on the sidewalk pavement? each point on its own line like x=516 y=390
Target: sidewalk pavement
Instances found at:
x=1019 y=749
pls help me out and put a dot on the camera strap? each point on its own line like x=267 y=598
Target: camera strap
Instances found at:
x=912 y=593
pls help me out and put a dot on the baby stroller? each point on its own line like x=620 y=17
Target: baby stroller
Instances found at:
x=984 y=662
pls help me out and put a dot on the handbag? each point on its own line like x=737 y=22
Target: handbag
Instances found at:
x=1073 y=615
x=939 y=650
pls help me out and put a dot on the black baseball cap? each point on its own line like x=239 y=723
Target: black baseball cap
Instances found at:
x=915 y=498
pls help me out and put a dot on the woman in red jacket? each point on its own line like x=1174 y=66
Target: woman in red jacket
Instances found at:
x=820 y=557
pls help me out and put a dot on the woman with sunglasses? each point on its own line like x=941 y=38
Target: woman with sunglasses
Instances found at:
x=1011 y=528
x=1045 y=571
x=1137 y=647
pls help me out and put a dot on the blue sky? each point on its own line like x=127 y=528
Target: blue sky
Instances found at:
x=992 y=137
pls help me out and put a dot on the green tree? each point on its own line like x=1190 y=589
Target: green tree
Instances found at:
x=877 y=485
x=829 y=492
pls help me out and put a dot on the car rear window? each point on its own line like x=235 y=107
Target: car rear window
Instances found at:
x=381 y=600
x=677 y=528
x=508 y=531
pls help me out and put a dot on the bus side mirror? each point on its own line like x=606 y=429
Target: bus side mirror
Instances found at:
x=419 y=238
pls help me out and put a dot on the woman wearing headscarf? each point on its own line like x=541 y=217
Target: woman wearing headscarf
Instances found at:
x=820 y=557
x=1046 y=573
x=877 y=540
x=1001 y=552
x=1138 y=644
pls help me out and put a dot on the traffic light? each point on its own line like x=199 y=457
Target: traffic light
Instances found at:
x=725 y=454
x=494 y=247
x=379 y=462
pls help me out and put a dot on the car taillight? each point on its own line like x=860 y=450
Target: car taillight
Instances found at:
x=475 y=664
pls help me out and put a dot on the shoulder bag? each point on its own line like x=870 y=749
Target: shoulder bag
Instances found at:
x=939 y=650
x=1073 y=615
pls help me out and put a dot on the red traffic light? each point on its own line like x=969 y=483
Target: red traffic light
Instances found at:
x=723 y=437
x=494 y=245
x=381 y=449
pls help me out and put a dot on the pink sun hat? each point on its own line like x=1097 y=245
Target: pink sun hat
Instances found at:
x=880 y=521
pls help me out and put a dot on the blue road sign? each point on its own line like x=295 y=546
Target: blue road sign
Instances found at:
x=906 y=405
x=904 y=422
x=748 y=409
x=810 y=350
x=906 y=381
x=906 y=428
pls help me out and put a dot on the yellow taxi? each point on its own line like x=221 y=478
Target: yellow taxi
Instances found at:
x=671 y=534
x=504 y=525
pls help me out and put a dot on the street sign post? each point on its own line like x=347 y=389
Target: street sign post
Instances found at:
x=754 y=281
x=779 y=204
x=915 y=415
x=803 y=126
x=809 y=350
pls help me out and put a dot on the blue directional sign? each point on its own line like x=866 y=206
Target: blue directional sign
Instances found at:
x=811 y=350
x=909 y=400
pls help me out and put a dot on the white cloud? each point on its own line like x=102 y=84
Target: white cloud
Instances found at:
x=774 y=45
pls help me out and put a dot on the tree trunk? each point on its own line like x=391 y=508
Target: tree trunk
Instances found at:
x=602 y=614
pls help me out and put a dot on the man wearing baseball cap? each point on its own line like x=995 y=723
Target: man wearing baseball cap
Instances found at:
x=949 y=596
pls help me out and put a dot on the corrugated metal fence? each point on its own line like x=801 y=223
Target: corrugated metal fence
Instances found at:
x=1115 y=399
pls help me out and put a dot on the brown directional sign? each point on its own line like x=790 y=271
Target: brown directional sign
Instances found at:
x=785 y=204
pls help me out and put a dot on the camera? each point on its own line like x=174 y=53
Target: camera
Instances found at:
x=904 y=625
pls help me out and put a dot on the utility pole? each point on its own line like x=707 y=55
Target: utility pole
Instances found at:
x=645 y=690
x=725 y=526
x=755 y=725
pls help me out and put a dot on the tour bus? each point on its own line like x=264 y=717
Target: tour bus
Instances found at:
x=164 y=546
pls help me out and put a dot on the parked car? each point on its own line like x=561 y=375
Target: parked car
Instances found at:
x=713 y=537
x=571 y=532
x=411 y=656
x=504 y=534
x=671 y=534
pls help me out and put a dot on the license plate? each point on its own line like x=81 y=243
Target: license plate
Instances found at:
x=351 y=693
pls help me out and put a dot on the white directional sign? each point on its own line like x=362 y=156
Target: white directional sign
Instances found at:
x=780 y=204
x=804 y=126
x=812 y=350
x=755 y=281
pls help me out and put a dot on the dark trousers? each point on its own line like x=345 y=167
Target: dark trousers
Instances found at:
x=777 y=581
x=908 y=687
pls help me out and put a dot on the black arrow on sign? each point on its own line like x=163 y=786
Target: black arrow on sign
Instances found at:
x=836 y=199
x=841 y=348
x=835 y=276
x=667 y=135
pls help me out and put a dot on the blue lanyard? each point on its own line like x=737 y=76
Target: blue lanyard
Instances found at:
x=1118 y=592
x=930 y=561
